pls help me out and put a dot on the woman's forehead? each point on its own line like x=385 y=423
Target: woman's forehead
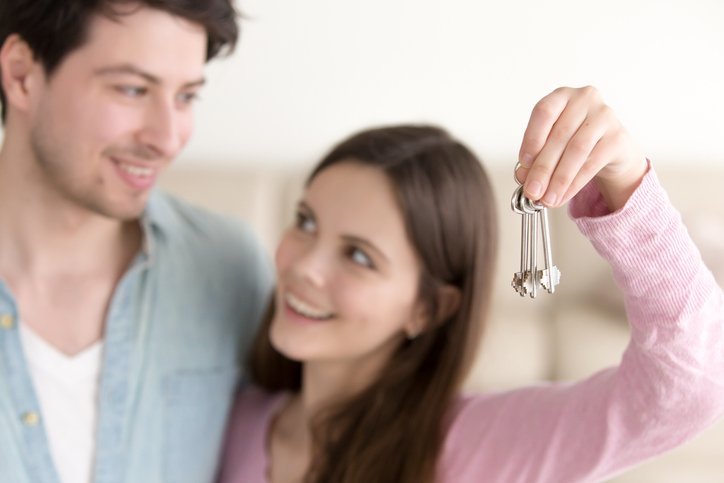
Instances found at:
x=352 y=199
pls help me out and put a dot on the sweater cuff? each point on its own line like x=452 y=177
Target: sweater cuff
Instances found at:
x=589 y=202
x=646 y=224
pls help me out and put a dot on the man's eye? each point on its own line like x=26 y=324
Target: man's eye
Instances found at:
x=188 y=97
x=305 y=223
x=360 y=258
x=132 y=91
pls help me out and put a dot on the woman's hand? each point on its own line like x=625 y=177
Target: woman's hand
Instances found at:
x=572 y=137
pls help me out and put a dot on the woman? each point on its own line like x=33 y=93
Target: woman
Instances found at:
x=383 y=284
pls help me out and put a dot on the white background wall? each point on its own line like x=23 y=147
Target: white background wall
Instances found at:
x=309 y=72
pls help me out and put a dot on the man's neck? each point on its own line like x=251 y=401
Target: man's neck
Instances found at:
x=63 y=274
x=32 y=251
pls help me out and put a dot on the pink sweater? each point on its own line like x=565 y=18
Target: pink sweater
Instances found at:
x=668 y=387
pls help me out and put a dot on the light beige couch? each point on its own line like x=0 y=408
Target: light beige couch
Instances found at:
x=569 y=335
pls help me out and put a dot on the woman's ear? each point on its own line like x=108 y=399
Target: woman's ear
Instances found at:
x=17 y=67
x=418 y=322
x=447 y=303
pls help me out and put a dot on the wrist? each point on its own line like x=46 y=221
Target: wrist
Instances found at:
x=617 y=189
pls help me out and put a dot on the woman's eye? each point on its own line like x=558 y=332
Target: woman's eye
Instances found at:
x=360 y=258
x=305 y=223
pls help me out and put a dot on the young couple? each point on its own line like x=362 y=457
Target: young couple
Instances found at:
x=124 y=312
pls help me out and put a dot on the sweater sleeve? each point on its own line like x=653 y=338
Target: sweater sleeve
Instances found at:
x=668 y=387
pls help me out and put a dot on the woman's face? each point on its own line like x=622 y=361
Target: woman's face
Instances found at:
x=347 y=273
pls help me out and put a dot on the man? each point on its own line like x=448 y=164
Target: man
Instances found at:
x=122 y=311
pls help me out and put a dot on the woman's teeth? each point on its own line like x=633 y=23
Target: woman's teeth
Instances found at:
x=305 y=309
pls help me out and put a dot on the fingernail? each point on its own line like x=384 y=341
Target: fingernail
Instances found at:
x=550 y=199
x=534 y=190
x=526 y=160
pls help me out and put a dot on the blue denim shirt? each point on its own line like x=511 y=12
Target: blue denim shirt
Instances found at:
x=177 y=324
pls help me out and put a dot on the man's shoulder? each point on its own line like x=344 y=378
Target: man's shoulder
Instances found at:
x=178 y=220
x=195 y=239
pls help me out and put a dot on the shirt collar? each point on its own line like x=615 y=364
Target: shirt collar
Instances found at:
x=156 y=222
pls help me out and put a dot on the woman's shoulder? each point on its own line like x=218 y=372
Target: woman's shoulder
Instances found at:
x=254 y=407
x=245 y=450
x=257 y=398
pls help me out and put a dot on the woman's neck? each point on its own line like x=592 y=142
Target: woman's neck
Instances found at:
x=325 y=383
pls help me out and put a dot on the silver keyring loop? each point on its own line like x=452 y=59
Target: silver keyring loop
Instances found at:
x=515 y=200
x=515 y=172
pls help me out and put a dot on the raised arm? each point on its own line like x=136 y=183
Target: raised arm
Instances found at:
x=669 y=385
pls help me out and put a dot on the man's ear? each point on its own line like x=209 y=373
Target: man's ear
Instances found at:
x=17 y=68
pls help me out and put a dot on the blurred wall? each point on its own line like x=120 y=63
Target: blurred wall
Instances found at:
x=309 y=72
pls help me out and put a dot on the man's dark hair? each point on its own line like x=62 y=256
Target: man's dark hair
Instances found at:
x=54 y=28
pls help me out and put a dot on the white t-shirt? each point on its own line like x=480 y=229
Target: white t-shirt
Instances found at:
x=67 y=391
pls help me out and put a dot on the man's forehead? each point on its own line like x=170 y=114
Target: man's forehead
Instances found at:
x=142 y=22
x=154 y=41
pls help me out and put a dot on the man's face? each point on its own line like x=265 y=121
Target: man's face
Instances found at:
x=117 y=110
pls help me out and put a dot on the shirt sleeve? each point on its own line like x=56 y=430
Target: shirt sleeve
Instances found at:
x=668 y=387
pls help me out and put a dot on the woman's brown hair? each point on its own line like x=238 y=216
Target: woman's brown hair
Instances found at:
x=393 y=431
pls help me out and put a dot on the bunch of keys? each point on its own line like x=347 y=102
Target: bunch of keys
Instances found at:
x=530 y=278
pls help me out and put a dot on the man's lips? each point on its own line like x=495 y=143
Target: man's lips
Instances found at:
x=137 y=175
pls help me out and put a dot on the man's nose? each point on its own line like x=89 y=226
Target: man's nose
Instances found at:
x=162 y=129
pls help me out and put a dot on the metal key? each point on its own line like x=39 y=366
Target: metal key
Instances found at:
x=523 y=280
x=533 y=250
x=534 y=219
x=550 y=276
x=533 y=211
x=519 y=278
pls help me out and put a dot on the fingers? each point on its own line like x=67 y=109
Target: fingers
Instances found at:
x=520 y=173
x=544 y=115
x=606 y=148
x=558 y=146
x=565 y=130
x=580 y=160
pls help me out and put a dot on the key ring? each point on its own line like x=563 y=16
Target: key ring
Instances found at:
x=515 y=203
x=521 y=203
x=515 y=171
x=530 y=206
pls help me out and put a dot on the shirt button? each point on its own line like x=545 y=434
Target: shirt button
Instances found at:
x=6 y=321
x=31 y=418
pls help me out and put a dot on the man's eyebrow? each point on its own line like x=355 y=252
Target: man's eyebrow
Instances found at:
x=130 y=69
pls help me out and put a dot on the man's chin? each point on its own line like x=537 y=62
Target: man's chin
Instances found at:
x=128 y=210
x=129 y=214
